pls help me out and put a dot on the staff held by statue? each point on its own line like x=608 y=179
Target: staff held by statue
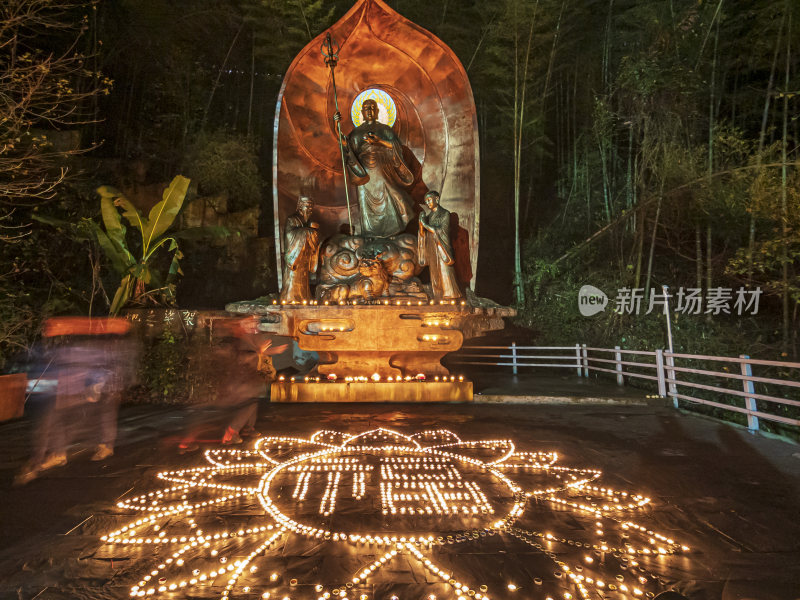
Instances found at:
x=331 y=58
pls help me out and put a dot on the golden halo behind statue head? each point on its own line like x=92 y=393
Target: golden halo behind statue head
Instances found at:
x=387 y=111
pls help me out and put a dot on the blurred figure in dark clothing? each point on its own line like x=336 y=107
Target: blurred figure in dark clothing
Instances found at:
x=85 y=356
x=240 y=357
x=121 y=356
x=244 y=359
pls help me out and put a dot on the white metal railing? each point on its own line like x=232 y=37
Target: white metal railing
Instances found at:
x=670 y=371
x=517 y=357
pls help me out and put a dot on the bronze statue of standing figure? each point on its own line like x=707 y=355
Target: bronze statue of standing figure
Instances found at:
x=436 y=251
x=375 y=158
x=300 y=252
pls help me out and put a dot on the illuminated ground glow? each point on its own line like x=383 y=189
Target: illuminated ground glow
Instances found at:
x=382 y=497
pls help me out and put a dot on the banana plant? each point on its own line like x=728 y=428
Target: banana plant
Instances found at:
x=140 y=280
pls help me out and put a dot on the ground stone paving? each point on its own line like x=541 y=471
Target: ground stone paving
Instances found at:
x=729 y=495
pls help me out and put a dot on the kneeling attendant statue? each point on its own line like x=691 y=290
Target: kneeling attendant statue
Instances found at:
x=435 y=249
x=300 y=252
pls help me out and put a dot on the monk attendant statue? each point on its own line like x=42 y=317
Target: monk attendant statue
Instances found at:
x=300 y=252
x=436 y=251
x=374 y=156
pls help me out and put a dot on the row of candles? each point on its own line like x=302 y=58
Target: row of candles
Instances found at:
x=598 y=501
x=374 y=378
x=287 y=522
x=377 y=302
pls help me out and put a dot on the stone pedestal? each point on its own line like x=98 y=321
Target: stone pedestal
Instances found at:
x=389 y=338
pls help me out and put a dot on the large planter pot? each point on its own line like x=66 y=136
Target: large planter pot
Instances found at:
x=12 y=395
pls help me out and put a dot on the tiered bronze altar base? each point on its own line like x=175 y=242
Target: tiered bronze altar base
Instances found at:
x=387 y=340
x=397 y=339
x=406 y=391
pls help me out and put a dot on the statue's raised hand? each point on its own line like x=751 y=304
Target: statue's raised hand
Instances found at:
x=371 y=138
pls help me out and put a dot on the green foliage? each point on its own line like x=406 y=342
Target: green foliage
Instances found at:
x=552 y=313
x=513 y=66
x=668 y=152
x=163 y=369
x=771 y=253
x=289 y=27
x=161 y=53
x=19 y=323
x=226 y=163
x=137 y=270
x=50 y=271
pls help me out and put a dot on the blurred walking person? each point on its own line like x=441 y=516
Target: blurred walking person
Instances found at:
x=80 y=357
x=244 y=360
x=121 y=358
x=240 y=360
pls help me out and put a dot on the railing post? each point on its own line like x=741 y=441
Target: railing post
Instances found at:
x=618 y=359
x=673 y=388
x=514 y=357
x=578 y=358
x=662 y=388
x=750 y=403
x=585 y=356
